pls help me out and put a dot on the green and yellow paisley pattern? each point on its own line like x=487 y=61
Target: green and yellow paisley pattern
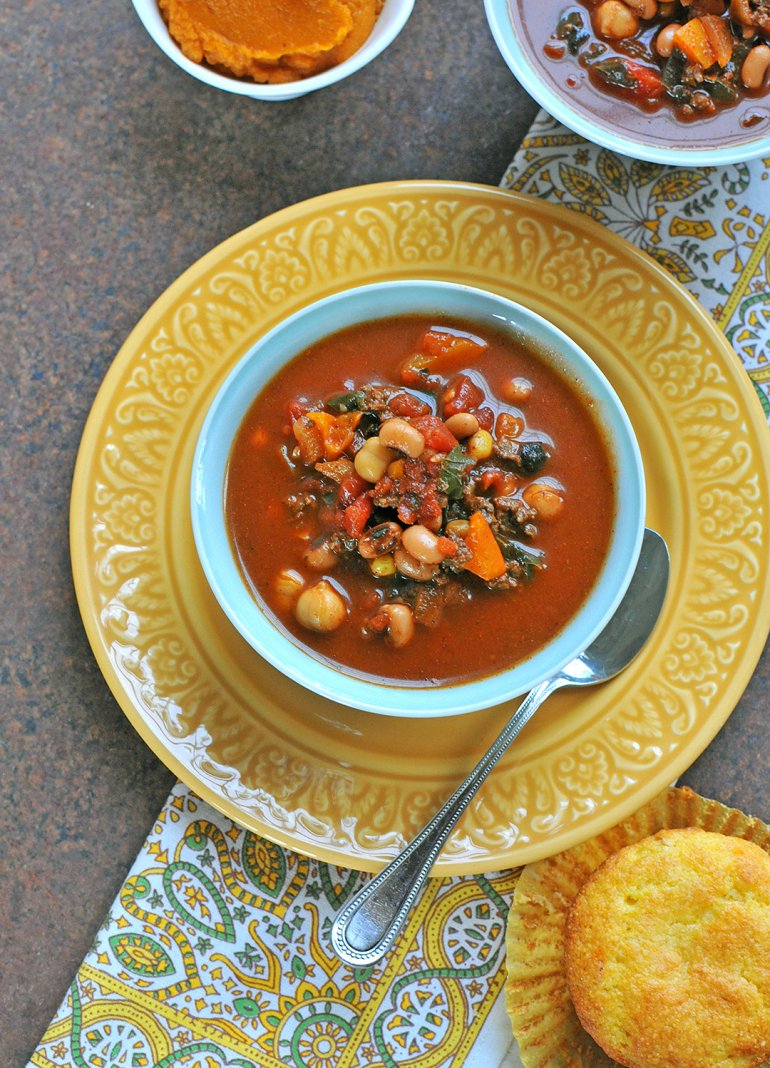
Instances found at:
x=216 y=955
x=709 y=226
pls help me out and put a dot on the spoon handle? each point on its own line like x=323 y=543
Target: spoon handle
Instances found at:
x=367 y=927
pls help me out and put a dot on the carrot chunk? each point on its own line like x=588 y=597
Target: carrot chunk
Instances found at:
x=719 y=37
x=691 y=40
x=336 y=432
x=446 y=346
x=487 y=561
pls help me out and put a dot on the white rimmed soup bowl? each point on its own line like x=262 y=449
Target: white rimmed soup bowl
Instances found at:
x=349 y=308
x=390 y=22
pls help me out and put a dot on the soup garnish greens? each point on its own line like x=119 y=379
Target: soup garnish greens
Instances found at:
x=697 y=56
x=419 y=502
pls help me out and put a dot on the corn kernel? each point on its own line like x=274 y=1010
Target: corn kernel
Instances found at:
x=459 y=527
x=396 y=469
x=383 y=566
x=480 y=445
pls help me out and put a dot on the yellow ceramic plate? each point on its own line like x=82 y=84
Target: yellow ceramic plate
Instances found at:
x=348 y=786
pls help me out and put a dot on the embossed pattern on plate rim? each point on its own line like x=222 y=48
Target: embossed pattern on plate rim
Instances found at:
x=568 y=267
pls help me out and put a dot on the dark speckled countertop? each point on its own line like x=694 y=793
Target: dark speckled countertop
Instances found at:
x=118 y=171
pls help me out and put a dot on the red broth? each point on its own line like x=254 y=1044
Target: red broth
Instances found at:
x=478 y=630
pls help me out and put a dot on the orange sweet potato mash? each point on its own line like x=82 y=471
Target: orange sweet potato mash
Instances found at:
x=270 y=40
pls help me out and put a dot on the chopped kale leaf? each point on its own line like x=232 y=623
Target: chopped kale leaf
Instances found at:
x=720 y=90
x=615 y=72
x=673 y=69
x=571 y=29
x=452 y=471
x=347 y=402
x=514 y=550
x=369 y=425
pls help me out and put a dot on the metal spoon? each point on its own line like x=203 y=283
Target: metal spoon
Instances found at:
x=367 y=927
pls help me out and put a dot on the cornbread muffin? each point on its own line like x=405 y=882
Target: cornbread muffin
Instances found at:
x=667 y=952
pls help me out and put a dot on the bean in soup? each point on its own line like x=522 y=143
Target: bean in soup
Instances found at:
x=420 y=503
x=647 y=66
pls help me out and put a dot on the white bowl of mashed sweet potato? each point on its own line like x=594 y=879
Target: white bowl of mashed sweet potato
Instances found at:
x=241 y=47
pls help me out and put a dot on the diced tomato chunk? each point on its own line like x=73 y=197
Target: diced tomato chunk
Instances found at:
x=508 y=425
x=405 y=404
x=435 y=433
x=460 y=396
x=485 y=416
x=356 y=516
x=498 y=482
x=378 y=623
x=446 y=546
x=416 y=379
x=351 y=487
x=649 y=83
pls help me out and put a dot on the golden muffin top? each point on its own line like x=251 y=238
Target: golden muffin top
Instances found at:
x=667 y=952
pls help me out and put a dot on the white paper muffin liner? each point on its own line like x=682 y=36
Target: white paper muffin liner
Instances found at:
x=544 y=1021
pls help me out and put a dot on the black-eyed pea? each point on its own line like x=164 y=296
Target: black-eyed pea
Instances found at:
x=458 y=527
x=413 y=568
x=379 y=540
x=544 y=498
x=320 y=608
x=755 y=67
x=462 y=425
x=664 y=42
x=372 y=459
x=422 y=544
x=613 y=19
x=288 y=585
x=400 y=435
x=400 y=624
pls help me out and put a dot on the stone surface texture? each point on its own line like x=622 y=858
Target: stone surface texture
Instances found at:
x=118 y=172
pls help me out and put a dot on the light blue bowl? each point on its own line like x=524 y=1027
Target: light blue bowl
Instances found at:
x=498 y=16
x=380 y=301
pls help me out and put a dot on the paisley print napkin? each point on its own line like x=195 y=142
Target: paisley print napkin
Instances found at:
x=710 y=226
x=216 y=952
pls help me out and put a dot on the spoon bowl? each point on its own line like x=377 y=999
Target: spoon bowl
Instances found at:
x=366 y=928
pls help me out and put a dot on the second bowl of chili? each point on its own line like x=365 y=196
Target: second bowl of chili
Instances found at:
x=682 y=84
